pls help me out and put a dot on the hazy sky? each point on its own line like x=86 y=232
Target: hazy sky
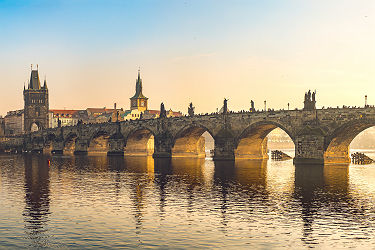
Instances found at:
x=189 y=51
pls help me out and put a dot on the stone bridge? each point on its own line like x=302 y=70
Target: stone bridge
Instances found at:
x=319 y=136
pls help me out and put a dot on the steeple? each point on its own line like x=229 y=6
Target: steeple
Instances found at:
x=138 y=101
x=138 y=87
x=45 y=83
x=34 y=79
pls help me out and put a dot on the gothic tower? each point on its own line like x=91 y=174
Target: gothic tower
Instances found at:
x=36 y=104
x=138 y=101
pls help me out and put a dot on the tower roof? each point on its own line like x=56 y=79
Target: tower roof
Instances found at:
x=138 y=88
x=34 y=80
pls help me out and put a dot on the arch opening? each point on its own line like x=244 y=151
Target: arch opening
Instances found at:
x=140 y=143
x=256 y=140
x=98 y=144
x=194 y=142
x=354 y=136
x=70 y=144
x=34 y=127
x=48 y=144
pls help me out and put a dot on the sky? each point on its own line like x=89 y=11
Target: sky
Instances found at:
x=199 y=51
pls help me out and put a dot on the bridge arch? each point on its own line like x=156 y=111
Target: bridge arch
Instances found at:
x=252 y=141
x=37 y=143
x=139 y=142
x=98 y=142
x=189 y=142
x=48 y=143
x=70 y=143
x=336 y=145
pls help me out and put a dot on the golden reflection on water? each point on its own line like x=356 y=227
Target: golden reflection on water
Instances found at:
x=251 y=172
x=336 y=179
x=362 y=180
x=37 y=199
x=185 y=189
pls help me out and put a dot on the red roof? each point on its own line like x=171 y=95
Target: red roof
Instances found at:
x=101 y=110
x=64 y=111
x=154 y=112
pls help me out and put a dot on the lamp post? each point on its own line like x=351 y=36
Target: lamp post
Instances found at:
x=265 y=106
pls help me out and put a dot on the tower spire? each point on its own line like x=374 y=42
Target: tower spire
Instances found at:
x=34 y=80
x=138 y=101
x=45 y=82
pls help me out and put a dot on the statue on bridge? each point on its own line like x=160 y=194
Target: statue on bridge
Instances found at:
x=309 y=102
x=252 y=109
x=225 y=107
x=191 y=109
x=163 y=112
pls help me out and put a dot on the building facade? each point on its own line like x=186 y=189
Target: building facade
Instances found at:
x=66 y=117
x=14 y=122
x=36 y=104
x=2 y=126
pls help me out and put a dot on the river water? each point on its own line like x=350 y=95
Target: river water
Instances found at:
x=113 y=202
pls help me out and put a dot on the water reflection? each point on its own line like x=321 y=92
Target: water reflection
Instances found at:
x=37 y=199
x=309 y=183
x=323 y=192
x=116 y=163
x=162 y=168
x=210 y=200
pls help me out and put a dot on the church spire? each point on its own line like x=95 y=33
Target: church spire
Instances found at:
x=45 y=82
x=138 y=87
x=34 y=79
x=138 y=101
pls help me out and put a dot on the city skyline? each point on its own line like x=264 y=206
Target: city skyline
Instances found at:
x=241 y=51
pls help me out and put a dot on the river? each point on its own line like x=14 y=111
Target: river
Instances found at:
x=129 y=202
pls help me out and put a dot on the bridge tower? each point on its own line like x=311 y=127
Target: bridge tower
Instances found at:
x=36 y=103
x=138 y=101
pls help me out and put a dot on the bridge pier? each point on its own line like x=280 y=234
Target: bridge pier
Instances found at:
x=162 y=146
x=58 y=147
x=116 y=146
x=81 y=146
x=37 y=145
x=224 y=148
x=28 y=146
x=309 y=149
